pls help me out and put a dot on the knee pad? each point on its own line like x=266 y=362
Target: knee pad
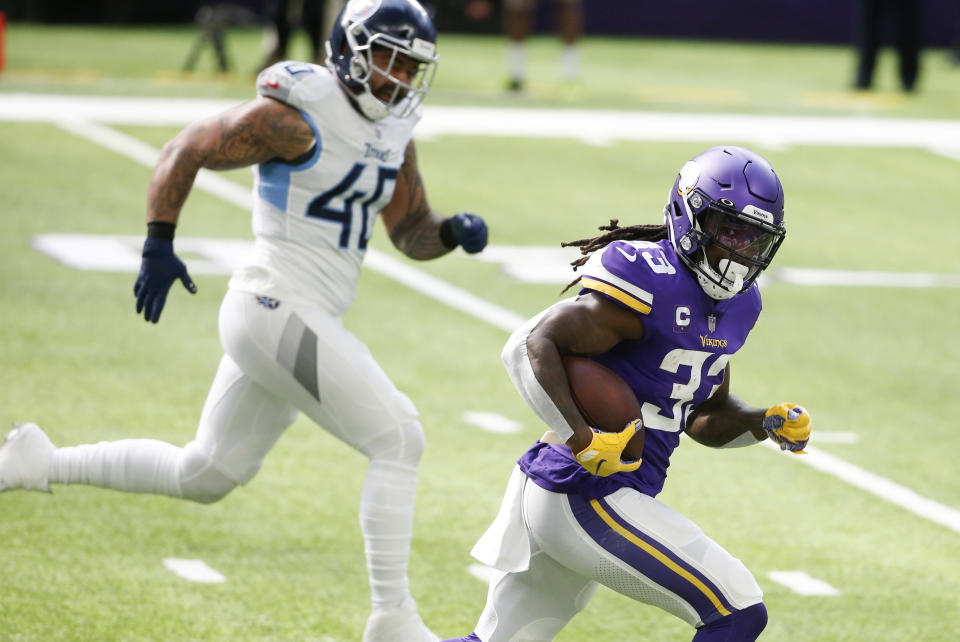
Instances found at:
x=403 y=444
x=200 y=479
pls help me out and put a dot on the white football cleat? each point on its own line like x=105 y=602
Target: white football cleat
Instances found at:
x=399 y=624
x=25 y=456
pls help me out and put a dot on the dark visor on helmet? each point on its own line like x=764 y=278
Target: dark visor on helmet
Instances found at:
x=750 y=239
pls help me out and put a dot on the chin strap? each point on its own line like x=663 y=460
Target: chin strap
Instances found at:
x=371 y=106
x=710 y=280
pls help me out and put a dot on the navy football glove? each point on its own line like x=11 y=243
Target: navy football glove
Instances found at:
x=159 y=268
x=466 y=230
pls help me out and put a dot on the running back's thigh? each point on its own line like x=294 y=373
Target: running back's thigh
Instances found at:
x=643 y=549
x=535 y=604
x=307 y=358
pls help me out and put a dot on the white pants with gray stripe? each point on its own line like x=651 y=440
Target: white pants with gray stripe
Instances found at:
x=281 y=360
x=304 y=359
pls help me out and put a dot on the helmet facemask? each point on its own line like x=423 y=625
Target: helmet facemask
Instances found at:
x=726 y=248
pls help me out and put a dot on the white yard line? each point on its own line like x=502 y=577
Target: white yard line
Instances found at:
x=877 y=485
x=605 y=126
x=591 y=126
x=505 y=319
x=865 y=278
x=801 y=583
x=114 y=110
x=457 y=298
x=147 y=155
x=194 y=570
x=492 y=422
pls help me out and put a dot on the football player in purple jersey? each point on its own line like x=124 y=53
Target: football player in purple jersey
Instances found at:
x=665 y=307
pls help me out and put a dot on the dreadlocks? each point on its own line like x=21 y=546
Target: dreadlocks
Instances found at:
x=613 y=233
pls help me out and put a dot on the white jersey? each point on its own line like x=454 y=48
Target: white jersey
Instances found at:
x=313 y=216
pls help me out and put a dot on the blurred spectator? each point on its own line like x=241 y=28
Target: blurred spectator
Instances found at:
x=955 y=54
x=213 y=20
x=906 y=18
x=518 y=16
x=478 y=9
x=312 y=15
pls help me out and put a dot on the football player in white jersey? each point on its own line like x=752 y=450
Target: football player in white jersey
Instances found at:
x=331 y=148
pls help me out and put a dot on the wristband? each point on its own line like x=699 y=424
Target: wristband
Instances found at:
x=446 y=234
x=160 y=230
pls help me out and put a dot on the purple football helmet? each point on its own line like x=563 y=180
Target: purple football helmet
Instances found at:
x=725 y=218
x=401 y=26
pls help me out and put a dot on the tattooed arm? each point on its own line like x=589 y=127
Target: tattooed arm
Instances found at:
x=255 y=132
x=413 y=227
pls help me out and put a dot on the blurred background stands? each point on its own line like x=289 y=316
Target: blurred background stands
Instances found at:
x=784 y=22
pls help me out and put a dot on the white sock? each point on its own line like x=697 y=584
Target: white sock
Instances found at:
x=386 y=520
x=517 y=60
x=570 y=62
x=131 y=465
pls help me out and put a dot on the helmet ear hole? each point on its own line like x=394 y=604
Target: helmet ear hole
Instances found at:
x=359 y=66
x=676 y=209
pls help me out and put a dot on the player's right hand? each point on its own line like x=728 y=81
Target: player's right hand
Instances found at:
x=603 y=456
x=159 y=268
x=788 y=426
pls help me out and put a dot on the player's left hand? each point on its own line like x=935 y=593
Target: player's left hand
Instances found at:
x=603 y=456
x=788 y=426
x=159 y=268
x=470 y=231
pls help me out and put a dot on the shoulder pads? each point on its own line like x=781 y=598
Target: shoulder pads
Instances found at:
x=618 y=271
x=295 y=83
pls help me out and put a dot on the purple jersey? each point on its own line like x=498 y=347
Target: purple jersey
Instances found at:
x=677 y=365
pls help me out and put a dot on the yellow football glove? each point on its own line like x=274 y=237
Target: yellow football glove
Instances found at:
x=603 y=456
x=788 y=425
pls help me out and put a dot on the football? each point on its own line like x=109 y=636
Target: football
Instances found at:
x=604 y=399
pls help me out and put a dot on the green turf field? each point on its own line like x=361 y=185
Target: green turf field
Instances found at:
x=879 y=362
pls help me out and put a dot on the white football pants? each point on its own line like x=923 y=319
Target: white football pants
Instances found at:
x=281 y=359
x=627 y=541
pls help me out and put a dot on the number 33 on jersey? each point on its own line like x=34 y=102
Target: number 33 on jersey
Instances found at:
x=689 y=337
